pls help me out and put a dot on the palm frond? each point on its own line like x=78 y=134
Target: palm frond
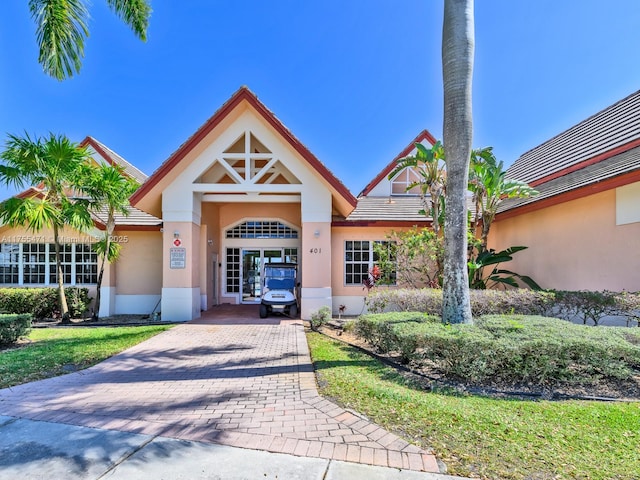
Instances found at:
x=61 y=27
x=134 y=13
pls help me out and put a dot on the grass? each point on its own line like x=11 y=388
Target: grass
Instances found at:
x=486 y=437
x=55 y=351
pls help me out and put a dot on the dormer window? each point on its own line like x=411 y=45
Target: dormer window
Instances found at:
x=403 y=180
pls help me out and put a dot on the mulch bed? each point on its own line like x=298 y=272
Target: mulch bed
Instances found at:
x=114 y=320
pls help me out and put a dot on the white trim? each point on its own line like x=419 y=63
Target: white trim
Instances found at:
x=312 y=299
x=107 y=301
x=354 y=305
x=135 y=304
x=251 y=198
x=180 y=304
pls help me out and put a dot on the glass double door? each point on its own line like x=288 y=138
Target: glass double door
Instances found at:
x=252 y=261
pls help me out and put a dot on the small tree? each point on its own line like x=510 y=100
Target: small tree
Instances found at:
x=490 y=187
x=109 y=189
x=55 y=166
x=415 y=259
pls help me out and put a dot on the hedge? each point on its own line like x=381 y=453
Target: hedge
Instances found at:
x=12 y=327
x=43 y=302
x=512 y=349
x=588 y=306
x=483 y=302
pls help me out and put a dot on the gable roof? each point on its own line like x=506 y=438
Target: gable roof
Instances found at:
x=422 y=136
x=243 y=94
x=610 y=173
x=599 y=153
x=114 y=159
x=609 y=132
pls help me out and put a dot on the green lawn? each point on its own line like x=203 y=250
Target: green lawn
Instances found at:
x=479 y=436
x=55 y=351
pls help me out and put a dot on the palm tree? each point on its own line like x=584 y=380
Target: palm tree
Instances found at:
x=109 y=189
x=457 y=72
x=52 y=164
x=61 y=28
x=489 y=187
x=428 y=164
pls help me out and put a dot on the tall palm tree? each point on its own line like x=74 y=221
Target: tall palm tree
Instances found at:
x=109 y=189
x=54 y=165
x=61 y=28
x=457 y=71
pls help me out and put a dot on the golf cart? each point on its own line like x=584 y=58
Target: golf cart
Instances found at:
x=279 y=289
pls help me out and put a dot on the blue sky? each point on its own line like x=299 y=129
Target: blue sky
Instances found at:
x=354 y=80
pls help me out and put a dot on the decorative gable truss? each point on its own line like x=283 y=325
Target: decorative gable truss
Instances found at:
x=248 y=162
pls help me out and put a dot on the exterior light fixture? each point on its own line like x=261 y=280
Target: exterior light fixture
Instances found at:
x=316 y=233
x=176 y=234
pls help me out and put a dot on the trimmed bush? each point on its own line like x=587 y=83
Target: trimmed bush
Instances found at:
x=379 y=329
x=43 y=302
x=514 y=349
x=483 y=302
x=12 y=327
x=320 y=317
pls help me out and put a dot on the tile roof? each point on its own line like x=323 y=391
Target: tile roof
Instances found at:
x=611 y=167
x=396 y=208
x=136 y=217
x=613 y=129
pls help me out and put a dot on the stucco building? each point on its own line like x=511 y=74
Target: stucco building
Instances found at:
x=243 y=191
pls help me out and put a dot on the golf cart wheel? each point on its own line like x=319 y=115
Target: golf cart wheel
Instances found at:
x=263 y=311
x=293 y=311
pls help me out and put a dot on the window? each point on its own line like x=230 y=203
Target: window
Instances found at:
x=65 y=260
x=361 y=256
x=9 y=262
x=35 y=264
x=233 y=270
x=262 y=229
x=34 y=261
x=406 y=177
x=86 y=268
x=357 y=261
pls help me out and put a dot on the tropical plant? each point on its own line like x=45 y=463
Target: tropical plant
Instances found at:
x=457 y=72
x=489 y=187
x=109 y=189
x=61 y=28
x=415 y=258
x=428 y=164
x=54 y=166
x=478 y=279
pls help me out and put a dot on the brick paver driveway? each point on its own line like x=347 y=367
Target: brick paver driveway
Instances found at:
x=235 y=383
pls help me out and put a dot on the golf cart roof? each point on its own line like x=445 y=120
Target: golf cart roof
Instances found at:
x=281 y=265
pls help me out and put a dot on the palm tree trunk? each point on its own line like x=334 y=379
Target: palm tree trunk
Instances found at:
x=457 y=67
x=96 y=310
x=64 y=308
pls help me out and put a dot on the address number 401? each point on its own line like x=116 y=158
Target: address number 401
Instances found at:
x=315 y=250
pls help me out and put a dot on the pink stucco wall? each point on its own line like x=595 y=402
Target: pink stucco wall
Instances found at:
x=574 y=245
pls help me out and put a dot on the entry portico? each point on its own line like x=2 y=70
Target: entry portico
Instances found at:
x=242 y=191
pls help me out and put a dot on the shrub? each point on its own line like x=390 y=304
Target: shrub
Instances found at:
x=320 y=317
x=511 y=349
x=12 y=327
x=483 y=302
x=43 y=302
x=378 y=329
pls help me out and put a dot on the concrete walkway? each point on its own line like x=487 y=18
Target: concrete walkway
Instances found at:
x=217 y=381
